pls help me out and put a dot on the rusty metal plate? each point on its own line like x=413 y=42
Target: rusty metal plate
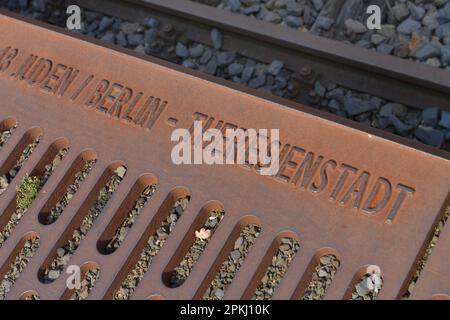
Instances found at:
x=315 y=206
x=435 y=278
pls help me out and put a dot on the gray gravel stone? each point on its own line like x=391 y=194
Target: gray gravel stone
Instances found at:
x=426 y=51
x=387 y=30
x=318 y=4
x=377 y=39
x=235 y=5
x=181 y=50
x=430 y=117
x=135 y=39
x=294 y=22
x=400 y=11
x=272 y=17
x=385 y=48
x=408 y=26
x=430 y=20
x=189 y=64
x=53 y=274
x=151 y=35
x=398 y=110
x=224 y=58
x=196 y=51
x=319 y=89
x=294 y=8
x=400 y=127
x=429 y=136
x=257 y=82
x=443 y=31
x=445 y=120
x=252 y=9
x=211 y=66
x=217 y=39
x=334 y=104
x=105 y=23
x=324 y=23
x=417 y=12
x=275 y=67
x=130 y=27
x=368 y=287
x=363 y=44
x=219 y=293
x=354 y=26
x=121 y=39
x=445 y=54
x=206 y=56
x=152 y=22
x=235 y=69
x=247 y=73
x=356 y=106
x=443 y=15
x=108 y=37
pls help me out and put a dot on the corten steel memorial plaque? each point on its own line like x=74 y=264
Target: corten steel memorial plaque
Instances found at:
x=352 y=191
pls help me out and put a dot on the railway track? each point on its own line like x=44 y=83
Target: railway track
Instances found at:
x=337 y=231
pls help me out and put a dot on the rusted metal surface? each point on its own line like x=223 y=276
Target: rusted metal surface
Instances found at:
x=434 y=282
x=390 y=238
x=394 y=79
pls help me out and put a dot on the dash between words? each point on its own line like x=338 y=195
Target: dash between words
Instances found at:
x=344 y=183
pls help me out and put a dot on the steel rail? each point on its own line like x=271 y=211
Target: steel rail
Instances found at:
x=410 y=83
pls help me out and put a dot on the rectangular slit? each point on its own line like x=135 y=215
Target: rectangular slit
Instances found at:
x=15 y=161
x=273 y=268
x=227 y=264
x=82 y=223
x=29 y=188
x=126 y=215
x=89 y=274
x=325 y=268
x=193 y=245
x=67 y=188
x=7 y=128
x=17 y=261
x=150 y=244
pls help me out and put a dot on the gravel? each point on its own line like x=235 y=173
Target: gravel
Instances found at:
x=277 y=269
x=217 y=39
x=5 y=135
x=6 y=179
x=68 y=249
x=59 y=207
x=154 y=244
x=368 y=287
x=184 y=269
x=405 y=24
x=428 y=126
x=87 y=284
x=321 y=278
x=18 y=265
x=127 y=224
x=18 y=214
x=421 y=264
x=231 y=265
